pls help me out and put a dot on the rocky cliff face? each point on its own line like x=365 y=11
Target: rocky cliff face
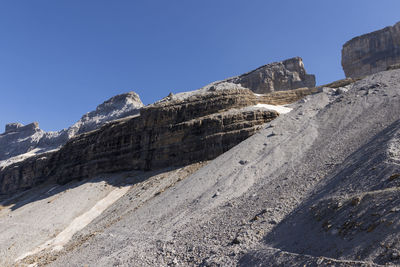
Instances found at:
x=18 y=139
x=281 y=76
x=285 y=75
x=177 y=130
x=318 y=186
x=371 y=53
x=169 y=133
x=117 y=107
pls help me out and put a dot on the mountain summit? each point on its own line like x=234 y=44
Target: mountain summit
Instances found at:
x=18 y=139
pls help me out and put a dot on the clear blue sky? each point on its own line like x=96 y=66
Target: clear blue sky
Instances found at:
x=60 y=59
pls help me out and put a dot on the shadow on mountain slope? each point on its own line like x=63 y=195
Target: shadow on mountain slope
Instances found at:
x=355 y=214
x=52 y=189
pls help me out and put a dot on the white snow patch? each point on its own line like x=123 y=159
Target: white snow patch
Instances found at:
x=279 y=109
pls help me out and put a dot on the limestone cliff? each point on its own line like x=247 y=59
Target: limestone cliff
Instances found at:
x=18 y=139
x=169 y=133
x=372 y=52
x=279 y=76
x=177 y=130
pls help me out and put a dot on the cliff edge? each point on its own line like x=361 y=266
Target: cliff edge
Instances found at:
x=19 y=141
x=371 y=53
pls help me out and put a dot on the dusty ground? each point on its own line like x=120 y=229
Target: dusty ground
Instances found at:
x=40 y=214
x=317 y=186
x=50 y=215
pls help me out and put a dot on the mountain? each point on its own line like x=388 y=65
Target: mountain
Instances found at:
x=237 y=173
x=294 y=193
x=180 y=129
x=371 y=53
x=19 y=142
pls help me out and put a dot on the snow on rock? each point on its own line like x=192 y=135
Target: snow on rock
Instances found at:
x=19 y=139
x=19 y=142
x=278 y=76
x=279 y=109
x=117 y=107
x=215 y=86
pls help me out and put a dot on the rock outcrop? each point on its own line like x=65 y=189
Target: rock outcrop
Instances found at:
x=176 y=132
x=119 y=106
x=281 y=76
x=318 y=186
x=285 y=75
x=168 y=133
x=18 y=139
x=372 y=52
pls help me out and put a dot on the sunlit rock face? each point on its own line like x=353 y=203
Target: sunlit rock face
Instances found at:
x=178 y=130
x=175 y=132
x=279 y=76
x=19 y=139
x=372 y=52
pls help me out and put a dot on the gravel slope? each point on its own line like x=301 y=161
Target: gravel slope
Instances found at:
x=239 y=208
x=32 y=218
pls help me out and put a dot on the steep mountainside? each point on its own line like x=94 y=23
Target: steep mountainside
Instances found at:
x=18 y=143
x=177 y=130
x=326 y=173
x=174 y=132
x=372 y=52
x=278 y=76
x=19 y=139
x=262 y=169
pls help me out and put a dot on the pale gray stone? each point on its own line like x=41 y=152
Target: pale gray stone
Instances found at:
x=371 y=53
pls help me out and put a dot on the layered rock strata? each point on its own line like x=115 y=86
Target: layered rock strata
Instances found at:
x=19 y=139
x=168 y=133
x=372 y=52
x=279 y=76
